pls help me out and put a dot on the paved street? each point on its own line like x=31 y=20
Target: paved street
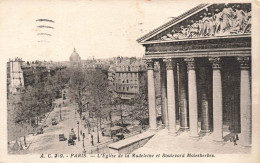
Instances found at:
x=48 y=142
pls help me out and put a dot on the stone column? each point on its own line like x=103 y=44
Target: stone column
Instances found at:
x=193 y=100
x=217 y=100
x=175 y=72
x=151 y=95
x=183 y=100
x=245 y=103
x=204 y=100
x=171 y=96
x=163 y=94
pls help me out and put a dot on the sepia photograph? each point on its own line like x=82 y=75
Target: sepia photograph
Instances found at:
x=129 y=81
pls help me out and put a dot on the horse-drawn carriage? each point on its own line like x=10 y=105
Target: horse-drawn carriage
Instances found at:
x=72 y=137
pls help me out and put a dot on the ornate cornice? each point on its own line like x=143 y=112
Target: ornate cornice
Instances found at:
x=150 y=64
x=216 y=63
x=244 y=62
x=190 y=63
x=199 y=45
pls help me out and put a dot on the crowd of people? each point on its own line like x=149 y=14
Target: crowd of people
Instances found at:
x=231 y=20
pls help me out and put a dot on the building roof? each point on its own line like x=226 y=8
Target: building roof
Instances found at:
x=170 y=23
x=176 y=29
x=124 y=63
x=75 y=56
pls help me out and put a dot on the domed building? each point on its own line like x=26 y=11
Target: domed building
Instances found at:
x=74 y=56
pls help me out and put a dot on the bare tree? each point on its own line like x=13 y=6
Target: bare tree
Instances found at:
x=100 y=94
x=140 y=111
x=79 y=87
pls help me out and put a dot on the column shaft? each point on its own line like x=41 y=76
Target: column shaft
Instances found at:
x=217 y=106
x=193 y=104
x=151 y=96
x=183 y=101
x=217 y=100
x=171 y=97
x=163 y=94
x=245 y=103
x=204 y=100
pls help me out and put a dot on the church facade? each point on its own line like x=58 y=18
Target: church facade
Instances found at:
x=205 y=67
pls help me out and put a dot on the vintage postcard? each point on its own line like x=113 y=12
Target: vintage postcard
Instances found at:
x=129 y=81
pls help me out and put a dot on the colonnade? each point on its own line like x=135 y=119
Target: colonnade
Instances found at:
x=188 y=100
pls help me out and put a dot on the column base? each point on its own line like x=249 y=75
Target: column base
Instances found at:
x=153 y=129
x=184 y=129
x=240 y=143
x=205 y=131
x=164 y=126
x=194 y=136
x=172 y=133
x=245 y=146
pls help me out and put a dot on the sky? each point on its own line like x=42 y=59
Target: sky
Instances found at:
x=101 y=29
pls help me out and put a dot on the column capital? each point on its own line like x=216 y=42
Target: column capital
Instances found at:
x=216 y=62
x=162 y=63
x=150 y=64
x=190 y=63
x=169 y=63
x=244 y=62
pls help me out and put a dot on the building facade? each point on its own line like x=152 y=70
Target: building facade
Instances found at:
x=205 y=66
x=15 y=79
x=111 y=77
x=129 y=76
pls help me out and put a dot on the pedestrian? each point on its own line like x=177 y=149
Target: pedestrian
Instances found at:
x=235 y=140
x=237 y=137
x=92 y=142
x=84 y=151
x=230 y=138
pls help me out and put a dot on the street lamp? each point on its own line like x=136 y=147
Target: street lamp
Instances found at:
x=83 y=140
x=60 y=113
x=78 y=131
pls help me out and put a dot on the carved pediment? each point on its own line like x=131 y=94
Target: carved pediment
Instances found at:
x=206 y=20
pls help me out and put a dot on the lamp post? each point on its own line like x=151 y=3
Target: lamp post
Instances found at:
x=60 y=113
x=78 y=131
x=88 y=110
x=83 y=140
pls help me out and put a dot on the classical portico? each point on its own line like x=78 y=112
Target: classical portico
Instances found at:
x=210 y=64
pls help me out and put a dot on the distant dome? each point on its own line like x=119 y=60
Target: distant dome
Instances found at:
x=75 y=56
